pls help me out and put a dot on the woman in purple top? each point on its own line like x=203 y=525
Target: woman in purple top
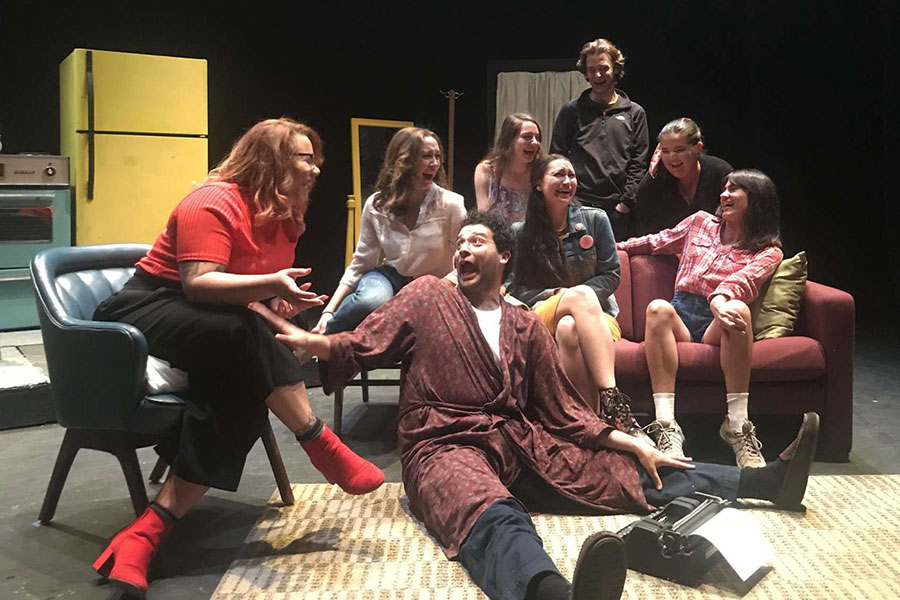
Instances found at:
x=502 y=178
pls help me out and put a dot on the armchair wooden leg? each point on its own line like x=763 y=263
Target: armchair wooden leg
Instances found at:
x=131 y=468
x=67 y=451
x=364 y=377
x=338 y=411
x=274 y=454
x=159 y=469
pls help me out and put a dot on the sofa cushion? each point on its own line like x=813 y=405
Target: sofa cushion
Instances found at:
x=775 y=311
x=631 y=362
x=784 y=359
x=652 y=277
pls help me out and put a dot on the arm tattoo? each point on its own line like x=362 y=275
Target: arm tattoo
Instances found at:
x=188 y=269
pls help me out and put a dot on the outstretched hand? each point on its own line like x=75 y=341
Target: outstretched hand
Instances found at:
x=286 y=309
x=296 y=298
x=652 y=459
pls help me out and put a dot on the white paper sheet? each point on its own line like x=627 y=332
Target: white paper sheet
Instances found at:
x=738 y=538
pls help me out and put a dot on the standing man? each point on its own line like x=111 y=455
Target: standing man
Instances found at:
x=605 y=136
x=490 y=427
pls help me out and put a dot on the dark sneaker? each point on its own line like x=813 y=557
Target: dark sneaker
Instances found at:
x=747 y=449
x=601 y=568
x=615 y=409
x=799 y=455
x=668 y=436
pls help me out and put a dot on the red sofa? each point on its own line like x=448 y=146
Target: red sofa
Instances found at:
x=809 y=370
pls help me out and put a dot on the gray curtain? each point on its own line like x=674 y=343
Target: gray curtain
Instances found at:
x=538 y=94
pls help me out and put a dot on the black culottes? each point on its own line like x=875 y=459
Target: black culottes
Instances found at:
x=233 y=362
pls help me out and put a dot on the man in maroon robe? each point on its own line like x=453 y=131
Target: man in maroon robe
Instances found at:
x=489 y=425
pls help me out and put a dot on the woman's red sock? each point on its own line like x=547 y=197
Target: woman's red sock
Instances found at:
x=341 y=465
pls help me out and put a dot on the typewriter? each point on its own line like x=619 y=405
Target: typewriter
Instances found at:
x=661 y=544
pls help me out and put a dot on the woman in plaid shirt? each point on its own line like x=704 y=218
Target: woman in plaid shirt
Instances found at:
x=724 y=259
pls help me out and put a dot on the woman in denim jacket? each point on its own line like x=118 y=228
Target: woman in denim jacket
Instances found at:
x=567 y=269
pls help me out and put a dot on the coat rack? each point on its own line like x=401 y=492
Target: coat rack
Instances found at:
x=452 y=95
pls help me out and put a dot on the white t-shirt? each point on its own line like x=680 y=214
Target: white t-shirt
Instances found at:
x=489 y=322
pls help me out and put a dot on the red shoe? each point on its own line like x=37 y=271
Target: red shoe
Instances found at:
x=126 y=559
x=341 y=465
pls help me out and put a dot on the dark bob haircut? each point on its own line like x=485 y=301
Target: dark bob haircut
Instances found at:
x=761 y=221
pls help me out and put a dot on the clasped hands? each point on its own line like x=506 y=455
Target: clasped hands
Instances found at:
x=726 y=315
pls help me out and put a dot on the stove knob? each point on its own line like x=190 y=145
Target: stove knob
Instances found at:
x=49 y=170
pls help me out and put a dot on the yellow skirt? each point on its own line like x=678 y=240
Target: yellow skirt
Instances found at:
x=546 y=310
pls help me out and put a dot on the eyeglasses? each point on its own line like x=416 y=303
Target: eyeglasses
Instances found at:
x=307 y=157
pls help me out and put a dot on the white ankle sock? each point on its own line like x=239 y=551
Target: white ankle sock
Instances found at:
x=737 y=410
x=664 y=406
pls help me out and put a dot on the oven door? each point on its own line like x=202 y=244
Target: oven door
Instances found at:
x=31 y=222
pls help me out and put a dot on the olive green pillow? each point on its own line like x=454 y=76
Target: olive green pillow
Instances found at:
x=778 y=305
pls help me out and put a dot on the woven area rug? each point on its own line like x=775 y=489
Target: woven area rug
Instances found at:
x=332 y=545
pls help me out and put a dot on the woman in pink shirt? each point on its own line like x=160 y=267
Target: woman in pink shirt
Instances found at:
x=724 y=261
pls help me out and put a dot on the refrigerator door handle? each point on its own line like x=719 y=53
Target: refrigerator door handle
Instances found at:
x=89 y=84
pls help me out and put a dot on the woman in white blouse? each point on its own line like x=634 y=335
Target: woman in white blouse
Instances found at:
x=410 y=221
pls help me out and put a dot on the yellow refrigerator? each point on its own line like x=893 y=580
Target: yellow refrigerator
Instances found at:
x=135 y=129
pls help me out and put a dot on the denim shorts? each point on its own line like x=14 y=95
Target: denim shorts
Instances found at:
x=694 y=312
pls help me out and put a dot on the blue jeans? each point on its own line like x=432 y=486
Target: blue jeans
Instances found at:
x=374 y=289
x=503 y=550
x=709 y=478
x=694 y=312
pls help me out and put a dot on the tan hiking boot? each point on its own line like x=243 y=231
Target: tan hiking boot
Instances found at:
x=668 y=436
x=747 y=449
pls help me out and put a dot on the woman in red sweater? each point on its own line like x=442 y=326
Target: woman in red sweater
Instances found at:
x=228 y=244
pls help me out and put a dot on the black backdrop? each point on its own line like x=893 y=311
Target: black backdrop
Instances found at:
x=805 y=91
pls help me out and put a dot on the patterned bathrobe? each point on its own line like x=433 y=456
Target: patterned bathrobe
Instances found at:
x=467 y=427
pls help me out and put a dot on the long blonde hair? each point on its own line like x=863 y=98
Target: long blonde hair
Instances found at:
x=396 y=180
x=261 y=163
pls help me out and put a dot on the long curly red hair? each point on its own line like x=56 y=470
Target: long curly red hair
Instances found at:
x=262 y=164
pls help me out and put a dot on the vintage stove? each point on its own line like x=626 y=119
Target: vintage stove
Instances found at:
x=35 y=213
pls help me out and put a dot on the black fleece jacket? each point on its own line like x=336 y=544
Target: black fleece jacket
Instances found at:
x=607 y=145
